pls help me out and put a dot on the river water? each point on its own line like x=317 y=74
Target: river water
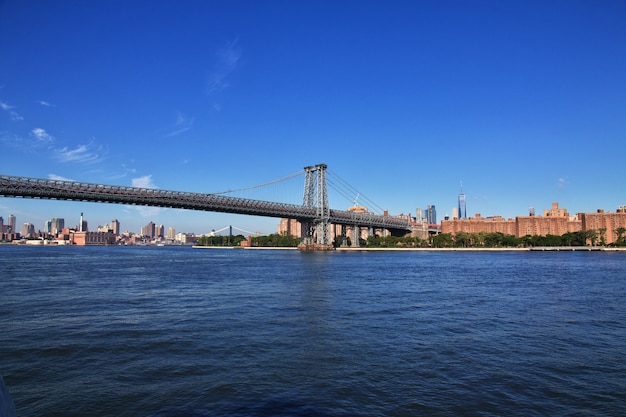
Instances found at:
x=140 y=331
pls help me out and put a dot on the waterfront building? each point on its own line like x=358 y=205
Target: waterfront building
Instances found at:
x=83 y=238
x=186 y=238
x=478 y=224
x=555 y=221
x=171 y=233
x=28 y=230
x=115 y=227
x=159 y=231
x=148 y=230
x=605 y=224
x=2 y=232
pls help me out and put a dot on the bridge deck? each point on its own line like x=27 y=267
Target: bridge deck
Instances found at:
x=12 y=186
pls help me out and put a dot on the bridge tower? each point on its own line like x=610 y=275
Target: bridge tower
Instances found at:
x=316 y=196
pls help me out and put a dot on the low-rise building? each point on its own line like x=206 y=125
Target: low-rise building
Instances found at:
x=93 y=238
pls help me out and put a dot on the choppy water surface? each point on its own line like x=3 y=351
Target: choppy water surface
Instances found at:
x=207 y=332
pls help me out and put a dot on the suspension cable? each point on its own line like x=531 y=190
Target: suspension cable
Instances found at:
x=295 y=174
x=354 y=191
x=234 y=227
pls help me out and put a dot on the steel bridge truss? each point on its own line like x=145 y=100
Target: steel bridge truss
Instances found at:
x=315 y=180
x=314 y=212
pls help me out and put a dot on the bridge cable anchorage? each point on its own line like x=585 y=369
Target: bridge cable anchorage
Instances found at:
x=288 y=177
x=353 y=191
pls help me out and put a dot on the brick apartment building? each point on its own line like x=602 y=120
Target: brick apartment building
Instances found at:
x=556 y=221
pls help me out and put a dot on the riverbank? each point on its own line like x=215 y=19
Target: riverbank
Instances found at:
x=535 y=249
x=370 y=249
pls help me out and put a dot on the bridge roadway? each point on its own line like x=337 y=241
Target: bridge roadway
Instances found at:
x=13 y=186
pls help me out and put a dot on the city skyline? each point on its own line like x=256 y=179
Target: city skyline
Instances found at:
x=525 y=99
x=428 y=214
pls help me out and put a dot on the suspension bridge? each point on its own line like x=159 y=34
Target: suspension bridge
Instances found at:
x=314 y=214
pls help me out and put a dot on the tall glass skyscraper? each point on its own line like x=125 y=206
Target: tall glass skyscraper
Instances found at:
x=462 y=208
x=431 y=215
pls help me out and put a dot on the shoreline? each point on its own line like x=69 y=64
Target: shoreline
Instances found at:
x=366 y=249
x=534 y=249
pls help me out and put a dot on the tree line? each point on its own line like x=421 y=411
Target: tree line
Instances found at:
x=443 y=240
x=496 y=240
x=270 y=241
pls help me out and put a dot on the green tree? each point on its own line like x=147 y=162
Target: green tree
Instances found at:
x=442 y=240
x=510 y=241
x=621 y=236
x=462 y=240
x=494 y=240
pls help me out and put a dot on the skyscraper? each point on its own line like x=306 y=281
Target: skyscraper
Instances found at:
x=148 y=230
x=462 y=209
x=57 y=225
x=419 y=215
x=82 y=227
x=431 y=214
x=115 y=227
x=12 y=222
x=28 y=230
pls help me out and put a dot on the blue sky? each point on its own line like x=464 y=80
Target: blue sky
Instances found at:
x=522 y=101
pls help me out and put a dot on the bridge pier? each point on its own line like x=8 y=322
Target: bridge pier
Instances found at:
x=316 y=232
x=356 y=236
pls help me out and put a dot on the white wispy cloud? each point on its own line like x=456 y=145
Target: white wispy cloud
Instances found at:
x=182 y=124
x=8 y=108
x=143 y=182
x=562 y=182
x=45 y=103
x=84 y=154
x=228 y=60
x=26 y=144
x=113 y=176
x=41 y=135
x=147 y=212
x=58 y=178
